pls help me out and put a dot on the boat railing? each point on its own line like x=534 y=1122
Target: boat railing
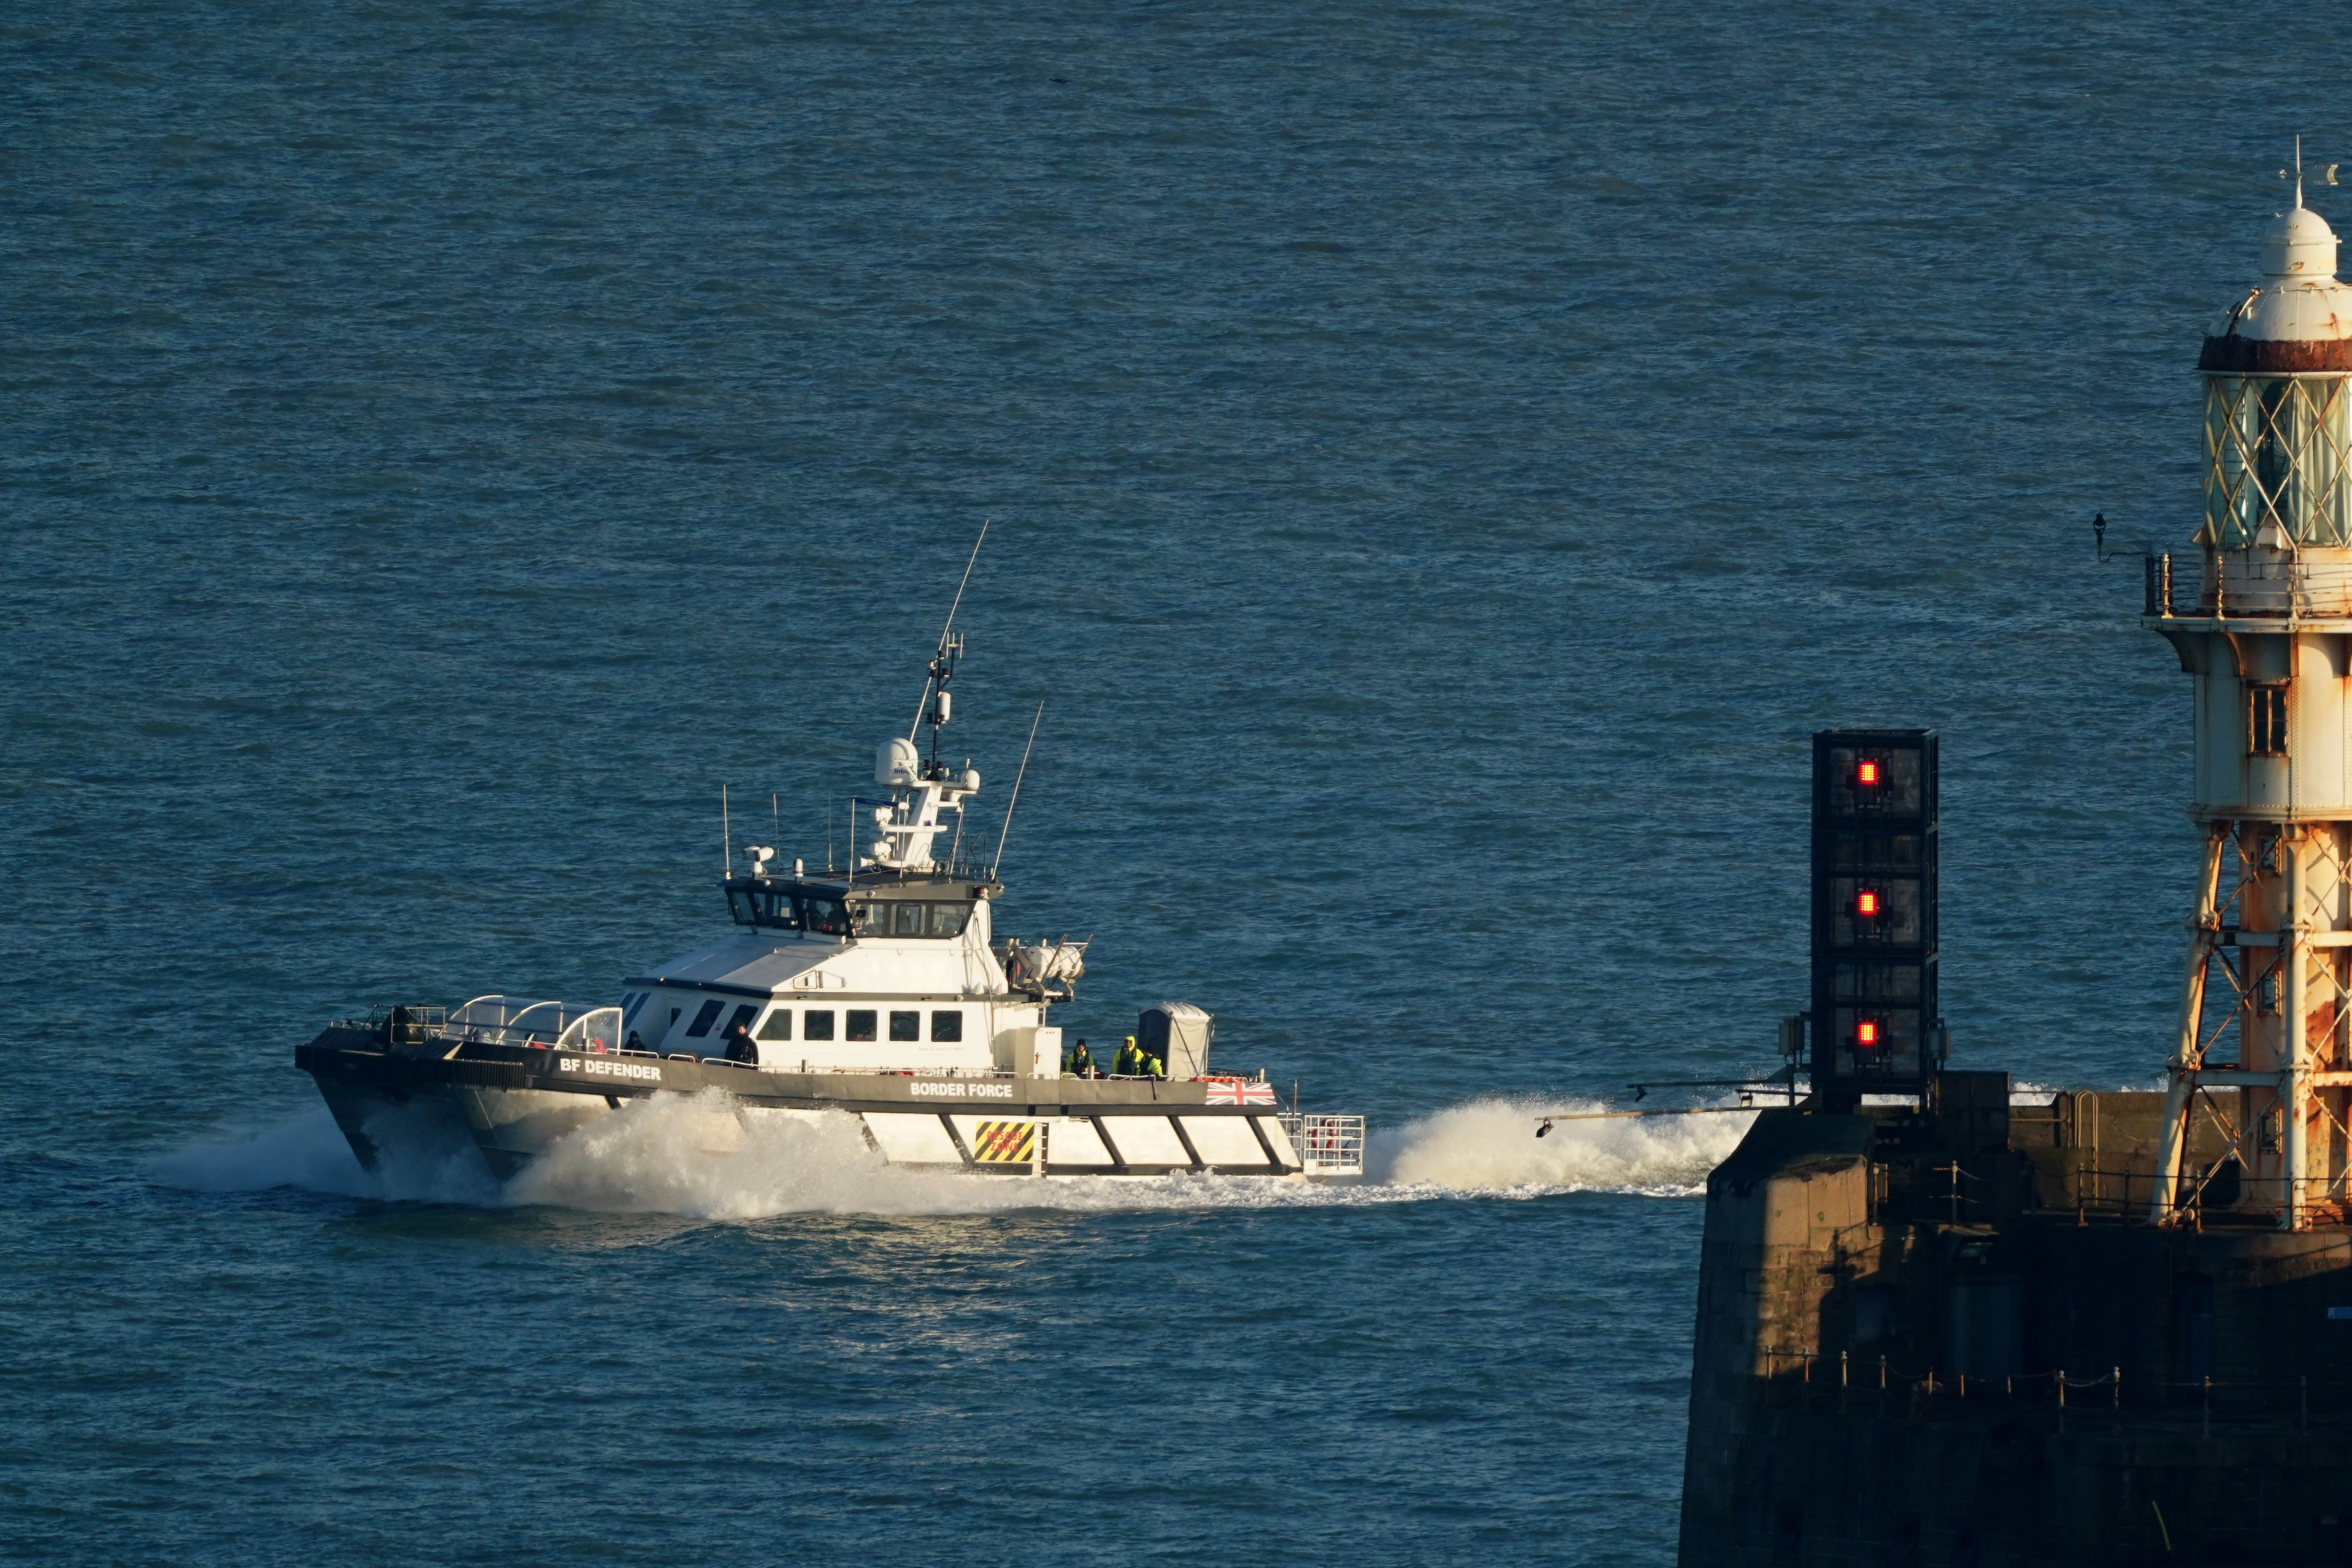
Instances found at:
x=526 y=1021
x=1328 y=1145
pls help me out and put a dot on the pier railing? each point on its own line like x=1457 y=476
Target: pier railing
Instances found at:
x=2216 y=1196
x=1856 y=1383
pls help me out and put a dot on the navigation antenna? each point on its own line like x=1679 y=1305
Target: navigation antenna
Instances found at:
x=999 y=858
x=726 y=839
x=943 y=656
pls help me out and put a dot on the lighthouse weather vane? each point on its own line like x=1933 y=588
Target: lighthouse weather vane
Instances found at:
x=2296 y=174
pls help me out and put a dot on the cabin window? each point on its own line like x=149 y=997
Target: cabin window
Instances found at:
x=784 y=910
x=705 y=1018
x=817 y=1023
x=779 y=1025
x=948 y=1024
x=906 y=1026
x=630 y=1004
x=2267 y=721
x=861 y=1024
x=909 y=917
x=743 y=1016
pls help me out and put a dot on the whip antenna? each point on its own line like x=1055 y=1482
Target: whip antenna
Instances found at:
x=1008 y=805
x=941 y=651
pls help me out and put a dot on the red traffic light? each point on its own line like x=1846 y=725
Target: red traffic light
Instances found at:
x=1865 y=902
x=1866 y=772
x=1865 y=1032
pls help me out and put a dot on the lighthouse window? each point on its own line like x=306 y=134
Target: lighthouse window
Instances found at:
x=906 y=1026
x=779 y=1025
x=2276 y=453
x=2268 y=721
x=817 y=1023
x=861 y=1024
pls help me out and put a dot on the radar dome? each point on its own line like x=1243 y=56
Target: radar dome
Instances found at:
x=897 y=763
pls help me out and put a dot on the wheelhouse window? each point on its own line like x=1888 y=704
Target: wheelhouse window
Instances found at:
x=861 y=1024
x=817 y=1023
x=703 y=1020
x=948 y=1024
x=909 y=918
x=2267 y=721
x=788 y=908
x=906 y=1026
x=779 y=1025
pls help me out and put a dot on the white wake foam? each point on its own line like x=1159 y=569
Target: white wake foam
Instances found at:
x=694 y=1156
x=421 y=1161
x=1490 y=1145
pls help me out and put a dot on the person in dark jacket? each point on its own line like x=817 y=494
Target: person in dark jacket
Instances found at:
x=739 y=1047
x=1081 y=1062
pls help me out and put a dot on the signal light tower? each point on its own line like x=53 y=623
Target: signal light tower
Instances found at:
x=1874 y=1022
x=2268 y=645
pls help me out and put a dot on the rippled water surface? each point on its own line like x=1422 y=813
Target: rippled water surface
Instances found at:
x=1443 y=462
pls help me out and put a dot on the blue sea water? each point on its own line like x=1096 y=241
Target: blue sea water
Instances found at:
x=1442 y=460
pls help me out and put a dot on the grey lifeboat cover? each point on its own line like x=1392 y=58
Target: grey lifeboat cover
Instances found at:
x=1179 y=1034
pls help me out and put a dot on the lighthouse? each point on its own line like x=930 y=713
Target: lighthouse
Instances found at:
x=2267 y=645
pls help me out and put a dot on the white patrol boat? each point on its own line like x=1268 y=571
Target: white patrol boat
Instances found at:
x=880 y=994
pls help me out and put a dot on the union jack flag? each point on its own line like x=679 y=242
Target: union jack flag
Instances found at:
x=1234 y=1091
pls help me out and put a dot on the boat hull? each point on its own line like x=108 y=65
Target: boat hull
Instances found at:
x=516 y=1102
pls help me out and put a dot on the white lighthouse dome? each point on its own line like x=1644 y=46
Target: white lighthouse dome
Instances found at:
x=2298 y=318
x=2299 y=244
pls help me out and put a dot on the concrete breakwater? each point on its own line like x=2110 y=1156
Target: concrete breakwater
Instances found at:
x=1944 y=1335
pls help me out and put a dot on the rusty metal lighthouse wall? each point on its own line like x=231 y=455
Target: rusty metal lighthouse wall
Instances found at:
x=2268 y=645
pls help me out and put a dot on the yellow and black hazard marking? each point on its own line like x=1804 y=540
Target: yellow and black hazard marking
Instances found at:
x=1005 y=1142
